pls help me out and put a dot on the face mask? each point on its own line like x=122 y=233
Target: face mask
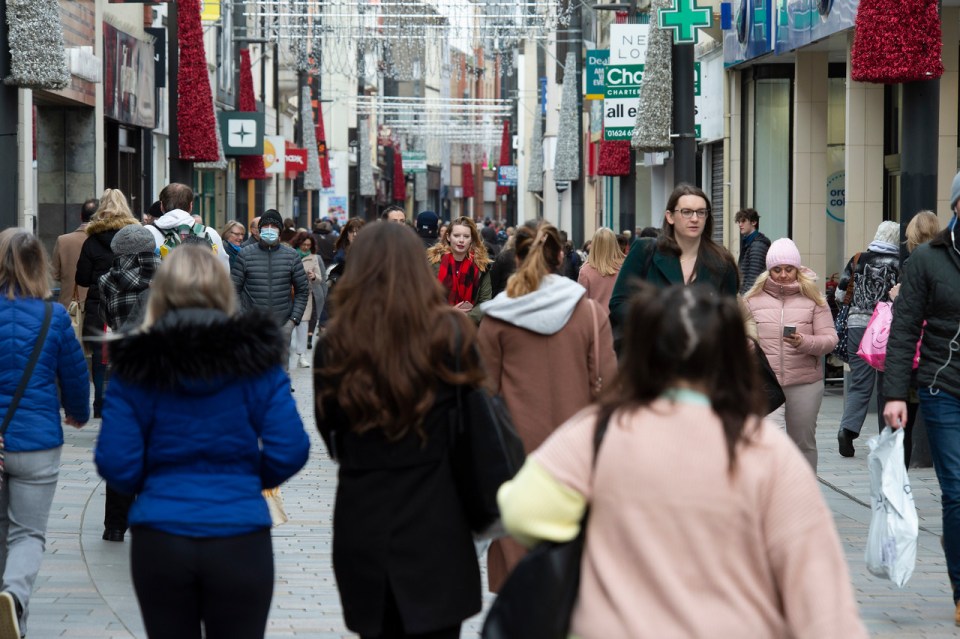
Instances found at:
x=270 y=236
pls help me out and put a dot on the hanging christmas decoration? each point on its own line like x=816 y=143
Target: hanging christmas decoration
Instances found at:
x=220 y=163
x=251 y=166
x=37 y=54
x=567 y=164
x=535 y=167
x=196 y=122
x=896 y=41
x=420 y=187
x=399 y=179
x=466 y=171
x=614 y=157
x=311 y=177
x=367 y=188
x=651 y=133
x=505 y=144
x=325 y=177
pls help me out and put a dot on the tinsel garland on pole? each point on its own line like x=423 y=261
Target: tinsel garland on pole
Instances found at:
x=325 y=178
x=251 y=166
x=37 y=54
x=614 y=157
x=466 y=171
x=420 y=179
x=535 y=167
x=367 y=188
x=196 y=122
x=311 y=177
x=399 y=180
x=651 y=133
x=567 y=164
x=220 y=163
x=505 y=144
x=896 y=41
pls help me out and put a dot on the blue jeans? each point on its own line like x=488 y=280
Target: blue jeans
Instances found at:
x=942 y=414
x=29 y=484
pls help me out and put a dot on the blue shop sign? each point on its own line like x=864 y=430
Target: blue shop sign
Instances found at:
x=748 y=30
x=802 y=22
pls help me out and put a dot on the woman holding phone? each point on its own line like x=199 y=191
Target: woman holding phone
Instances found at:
x=796 y=330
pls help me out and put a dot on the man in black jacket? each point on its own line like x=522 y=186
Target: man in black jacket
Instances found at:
x=264 y=272
x=753 y=248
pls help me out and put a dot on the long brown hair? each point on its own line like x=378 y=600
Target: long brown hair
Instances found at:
x=393 y=336
x=343 y=241
x=540 y=254
x=478 y=250
x=700 y=339
x=24 y=267
x=713 y=256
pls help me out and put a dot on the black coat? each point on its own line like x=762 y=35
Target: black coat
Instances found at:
x=929 y=290
x=95 y=260
x=753 y=261
x=398 y=523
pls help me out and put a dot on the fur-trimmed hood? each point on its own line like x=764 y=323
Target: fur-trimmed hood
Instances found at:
x=198 y=351
x=110 y=224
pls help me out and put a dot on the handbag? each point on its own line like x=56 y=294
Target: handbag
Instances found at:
x=873 y=346
x=537 y=600
x=772 y=390
x=75 y=311
x=840 y=323
x=485 y=452
x=25 y=379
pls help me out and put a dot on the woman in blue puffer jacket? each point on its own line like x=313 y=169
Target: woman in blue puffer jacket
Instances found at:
x=201 y=551
x=34 y=435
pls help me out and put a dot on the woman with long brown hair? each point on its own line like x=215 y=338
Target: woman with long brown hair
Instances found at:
x=463 y=267
x=403 y=553
x=546 y=346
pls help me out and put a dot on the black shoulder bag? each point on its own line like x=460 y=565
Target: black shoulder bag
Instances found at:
x=537 y=600
x=27 y=373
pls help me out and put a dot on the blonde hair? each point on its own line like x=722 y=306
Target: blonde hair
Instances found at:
x=605 y=255
x=478 y=250
x=540 y=256
x=922 y=228
x=113 y=204
x=229 y=225
x=191 y=277
x=808 y=286
x=24 y=267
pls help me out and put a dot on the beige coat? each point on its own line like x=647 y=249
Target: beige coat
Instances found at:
x=312 y=265
x=544 y=379
x=66 y=252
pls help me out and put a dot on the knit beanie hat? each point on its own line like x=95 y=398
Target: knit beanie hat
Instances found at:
x=428 y=221
x=783 y=252
x=271 y=216
x=954 y=192
x=132 y=239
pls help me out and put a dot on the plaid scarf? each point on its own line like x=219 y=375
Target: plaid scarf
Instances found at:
x=460 y=279
x=120 y=287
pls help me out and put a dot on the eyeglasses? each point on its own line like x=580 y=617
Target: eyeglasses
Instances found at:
x=688 y=213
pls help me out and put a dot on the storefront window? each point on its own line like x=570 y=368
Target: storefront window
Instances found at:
x=771 y=155
x=204 y=196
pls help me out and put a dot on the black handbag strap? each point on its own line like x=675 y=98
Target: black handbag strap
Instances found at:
x=31 y=364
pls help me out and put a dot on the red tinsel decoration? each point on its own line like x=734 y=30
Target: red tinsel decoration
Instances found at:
x=896 y=41
x=467 y=171
x=196 y=124
x=614 y=157
x=399 y=181
x=251 y=166
x=504 y=155
x=325 y=176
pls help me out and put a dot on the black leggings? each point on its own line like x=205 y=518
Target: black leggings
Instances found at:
x=224 y=582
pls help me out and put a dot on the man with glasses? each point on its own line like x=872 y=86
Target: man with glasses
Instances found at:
x=753 y=248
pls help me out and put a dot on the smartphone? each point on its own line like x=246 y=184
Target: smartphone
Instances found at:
x=789 y=330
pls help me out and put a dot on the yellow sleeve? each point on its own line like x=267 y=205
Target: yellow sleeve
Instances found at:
x=535 y=507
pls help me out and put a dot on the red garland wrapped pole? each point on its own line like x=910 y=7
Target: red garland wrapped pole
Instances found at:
x=325 y=176
x=896 y=41
x=251 y=166
x=399 y=180
x=467 y=171
x=196 y=123
x=614 y=157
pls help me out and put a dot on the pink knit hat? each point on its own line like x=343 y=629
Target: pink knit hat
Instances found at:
x=783 y=252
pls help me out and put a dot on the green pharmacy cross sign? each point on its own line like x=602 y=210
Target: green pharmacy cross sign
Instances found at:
x=685 y=18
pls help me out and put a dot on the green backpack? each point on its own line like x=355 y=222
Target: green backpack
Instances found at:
x=197 y=234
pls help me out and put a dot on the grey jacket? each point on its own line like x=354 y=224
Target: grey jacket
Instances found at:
x=263 y=276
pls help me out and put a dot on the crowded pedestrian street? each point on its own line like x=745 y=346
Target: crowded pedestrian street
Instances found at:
x=84 y=587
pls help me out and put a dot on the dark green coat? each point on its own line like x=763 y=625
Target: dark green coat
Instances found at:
x=929 y=290
x=644 y=261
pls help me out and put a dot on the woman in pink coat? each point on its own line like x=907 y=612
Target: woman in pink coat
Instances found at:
x=796 y=330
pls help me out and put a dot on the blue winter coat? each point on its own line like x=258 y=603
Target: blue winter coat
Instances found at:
x=60 y=376
x=197 y=420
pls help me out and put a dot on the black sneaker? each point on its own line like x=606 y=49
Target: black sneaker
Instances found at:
x=845 y=439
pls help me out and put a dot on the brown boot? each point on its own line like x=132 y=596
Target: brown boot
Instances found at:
x=956 y=615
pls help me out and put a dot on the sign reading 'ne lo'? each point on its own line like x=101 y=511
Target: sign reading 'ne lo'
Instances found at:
x=621 y=79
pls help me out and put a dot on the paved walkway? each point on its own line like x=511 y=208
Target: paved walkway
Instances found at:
x=84 y=587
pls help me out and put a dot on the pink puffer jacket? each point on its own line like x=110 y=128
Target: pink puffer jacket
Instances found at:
x=777 y=306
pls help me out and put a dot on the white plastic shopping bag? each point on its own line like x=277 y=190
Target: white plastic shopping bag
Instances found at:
x=892 y=540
